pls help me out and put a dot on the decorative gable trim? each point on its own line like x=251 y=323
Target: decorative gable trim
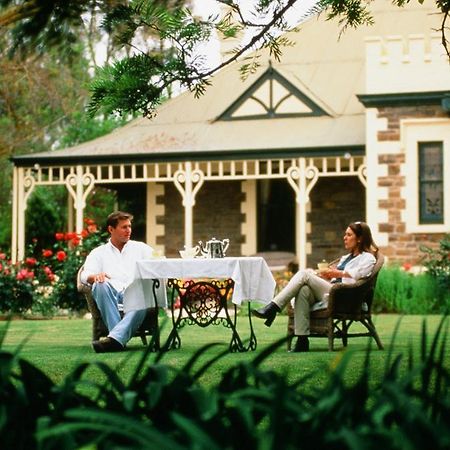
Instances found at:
x=272 y=96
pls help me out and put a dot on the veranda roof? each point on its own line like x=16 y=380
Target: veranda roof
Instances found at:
x=327 y=68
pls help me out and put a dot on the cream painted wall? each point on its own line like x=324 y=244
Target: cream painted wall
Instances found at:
x=414 y=63
x=248 y=226
x=374 y=193
x=153 y=211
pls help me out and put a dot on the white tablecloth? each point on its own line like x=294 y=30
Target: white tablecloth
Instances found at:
x=251 y=275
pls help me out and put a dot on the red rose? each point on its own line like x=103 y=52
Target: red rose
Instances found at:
x=84 y=233
x=30 y=262
x=61 y=255
x=92 y=228
x=75 y=240
x=69 y=236
x=47 y=253
x=59 y=236
x=2 y=255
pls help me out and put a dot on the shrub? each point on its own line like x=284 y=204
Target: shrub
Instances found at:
x=249 y=407
x=46 y=279
x=438 y=262
x=16 y=286
x=399 y=291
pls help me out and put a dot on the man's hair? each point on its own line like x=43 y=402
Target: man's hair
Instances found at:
x=115 y=217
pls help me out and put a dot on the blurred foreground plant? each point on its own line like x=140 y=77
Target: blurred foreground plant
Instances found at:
x=249 y=407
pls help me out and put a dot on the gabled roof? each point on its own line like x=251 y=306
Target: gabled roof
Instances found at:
x=324 y=71
x=272 y=96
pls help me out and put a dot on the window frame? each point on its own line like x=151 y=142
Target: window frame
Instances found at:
x=413 y=133
x=423 y=181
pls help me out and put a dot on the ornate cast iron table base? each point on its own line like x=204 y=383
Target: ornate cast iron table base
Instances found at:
x=200 y=303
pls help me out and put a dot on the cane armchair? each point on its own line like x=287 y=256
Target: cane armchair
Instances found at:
x=149 y=326
x=347 y=304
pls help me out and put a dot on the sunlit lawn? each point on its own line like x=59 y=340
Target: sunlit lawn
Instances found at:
x=57 y=346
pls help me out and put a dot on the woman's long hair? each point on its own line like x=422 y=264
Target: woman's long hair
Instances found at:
x=363 y=233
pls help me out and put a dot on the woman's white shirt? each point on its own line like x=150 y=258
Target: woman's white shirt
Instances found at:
x=359 y=267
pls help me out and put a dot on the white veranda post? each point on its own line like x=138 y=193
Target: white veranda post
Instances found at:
x=188 y=183
x=302 y=178
x=79 y=185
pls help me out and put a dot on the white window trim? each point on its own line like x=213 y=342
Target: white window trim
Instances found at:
x=413 y=132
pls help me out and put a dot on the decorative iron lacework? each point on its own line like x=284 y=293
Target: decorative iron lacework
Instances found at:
x=272 y=96
x=431 y=182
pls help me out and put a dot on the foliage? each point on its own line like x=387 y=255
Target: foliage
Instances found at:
x=16 y=287
x=46 y=279
x=248 y=407
x=137 y=81
x=437 y=261
x=43 y=216
x=400 y=291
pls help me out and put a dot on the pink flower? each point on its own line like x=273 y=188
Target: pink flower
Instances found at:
x=23 y=274
x=30 y=262
x=2 y=255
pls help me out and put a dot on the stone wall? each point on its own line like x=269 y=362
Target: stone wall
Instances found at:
x=216 y=214
x=335 y=202
x=394 y=115
x=402 y=247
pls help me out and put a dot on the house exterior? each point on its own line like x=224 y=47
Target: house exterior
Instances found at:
x=343 y=128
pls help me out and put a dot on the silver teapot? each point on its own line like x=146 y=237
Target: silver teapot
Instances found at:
x=214 y=248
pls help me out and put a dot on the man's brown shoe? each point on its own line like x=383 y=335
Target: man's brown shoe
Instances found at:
x=107 y=344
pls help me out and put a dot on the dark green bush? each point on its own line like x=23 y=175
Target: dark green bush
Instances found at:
x=251 y=408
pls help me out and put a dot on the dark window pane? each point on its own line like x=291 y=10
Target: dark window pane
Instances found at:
x=431 y=183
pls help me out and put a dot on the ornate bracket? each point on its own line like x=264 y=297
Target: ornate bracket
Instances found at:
x=310 y=176
x=86 y=180
x=188 y=184
x=362 y=174
x=29 y=183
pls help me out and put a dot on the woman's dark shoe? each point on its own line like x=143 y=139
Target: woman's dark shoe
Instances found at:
x=302 y=344
x=269 y=312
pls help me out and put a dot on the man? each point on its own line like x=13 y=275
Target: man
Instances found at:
x=109 y=269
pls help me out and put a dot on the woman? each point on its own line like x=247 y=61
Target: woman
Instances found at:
x=310 y=289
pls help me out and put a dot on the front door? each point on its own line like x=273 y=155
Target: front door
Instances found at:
x=276 y=216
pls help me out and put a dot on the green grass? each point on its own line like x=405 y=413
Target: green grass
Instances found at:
x=59 y=345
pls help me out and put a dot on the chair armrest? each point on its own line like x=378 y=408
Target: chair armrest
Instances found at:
x=82 y=287
x=349 y=298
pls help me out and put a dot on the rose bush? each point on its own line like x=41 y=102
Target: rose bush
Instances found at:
x=46 y=282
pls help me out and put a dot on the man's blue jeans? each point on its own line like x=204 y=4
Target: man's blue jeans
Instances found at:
x=109 y=301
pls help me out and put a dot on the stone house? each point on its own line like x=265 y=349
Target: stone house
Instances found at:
x=343 y=128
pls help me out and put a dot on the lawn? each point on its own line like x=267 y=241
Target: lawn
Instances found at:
x=57 y=346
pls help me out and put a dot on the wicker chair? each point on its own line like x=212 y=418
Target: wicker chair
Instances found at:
x=149 y=326
x=347 y=303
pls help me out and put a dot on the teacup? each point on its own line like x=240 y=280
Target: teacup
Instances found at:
x=322 y=266
x=189 y=252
